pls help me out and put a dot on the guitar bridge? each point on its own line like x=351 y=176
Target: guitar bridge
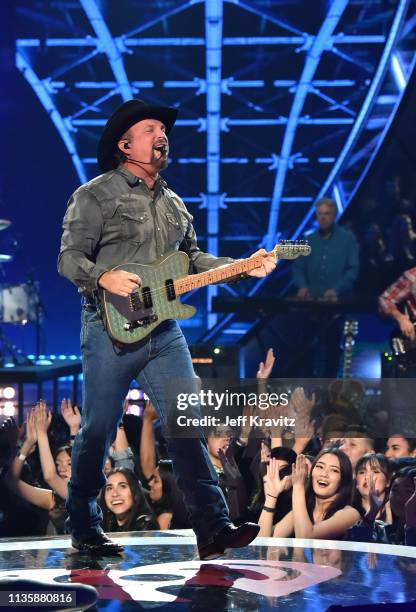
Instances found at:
x=131 y=325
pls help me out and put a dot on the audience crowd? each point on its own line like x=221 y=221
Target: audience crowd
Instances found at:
x=329 y=477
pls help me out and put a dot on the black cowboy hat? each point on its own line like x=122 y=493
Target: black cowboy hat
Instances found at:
x=121 y=120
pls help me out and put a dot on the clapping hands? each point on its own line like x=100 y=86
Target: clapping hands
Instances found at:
x=31 y=433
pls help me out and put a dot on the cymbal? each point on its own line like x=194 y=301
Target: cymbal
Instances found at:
x=4 y=258
x=4 y=224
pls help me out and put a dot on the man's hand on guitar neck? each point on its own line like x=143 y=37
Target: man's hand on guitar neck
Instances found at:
x=119 y=282
x=268 y=264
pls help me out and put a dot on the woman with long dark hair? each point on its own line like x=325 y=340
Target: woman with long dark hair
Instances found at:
x=373 y=471
x=320 y=503
x=124 y=504
x=165 y=499
x=285 y=458
x=56 y=470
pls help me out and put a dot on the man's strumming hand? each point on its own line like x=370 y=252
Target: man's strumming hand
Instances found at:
x=119 y=282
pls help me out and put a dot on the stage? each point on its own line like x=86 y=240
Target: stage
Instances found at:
x=161 y=571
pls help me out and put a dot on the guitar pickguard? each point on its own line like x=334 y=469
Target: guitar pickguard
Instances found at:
x=130 y=320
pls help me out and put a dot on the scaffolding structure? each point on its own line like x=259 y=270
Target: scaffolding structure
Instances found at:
x=280 y=103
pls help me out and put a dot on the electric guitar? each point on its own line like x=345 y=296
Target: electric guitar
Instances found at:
x=130 y=319
x=347 y=389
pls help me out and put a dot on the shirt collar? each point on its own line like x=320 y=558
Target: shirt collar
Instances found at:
x=133 y=180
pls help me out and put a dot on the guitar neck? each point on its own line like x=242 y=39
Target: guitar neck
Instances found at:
x=217 y=275
x=346 y=368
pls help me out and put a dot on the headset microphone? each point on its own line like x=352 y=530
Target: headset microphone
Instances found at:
x=137 y=161
x=161 y=148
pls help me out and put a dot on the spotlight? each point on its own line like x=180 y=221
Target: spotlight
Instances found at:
x=216 y=351
x=9 y=409
x=134 y=394
x=135 y=409
x=9 y=393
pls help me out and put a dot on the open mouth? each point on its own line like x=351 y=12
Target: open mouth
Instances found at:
x=162 y=148
x=117 y=502
x=322 y=483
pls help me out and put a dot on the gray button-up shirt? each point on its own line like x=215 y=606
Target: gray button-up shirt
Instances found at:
x=116 y=219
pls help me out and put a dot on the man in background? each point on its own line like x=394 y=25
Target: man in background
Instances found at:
x=332 y=268
x=329 y=273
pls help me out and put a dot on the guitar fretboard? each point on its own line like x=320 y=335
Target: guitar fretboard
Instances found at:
x=216 y=275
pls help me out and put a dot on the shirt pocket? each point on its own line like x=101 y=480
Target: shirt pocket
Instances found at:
x=176 y=232
x=136 y=225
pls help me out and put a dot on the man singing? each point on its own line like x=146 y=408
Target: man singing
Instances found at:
x=128 y=214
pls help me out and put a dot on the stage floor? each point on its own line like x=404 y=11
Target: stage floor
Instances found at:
x=161 y=571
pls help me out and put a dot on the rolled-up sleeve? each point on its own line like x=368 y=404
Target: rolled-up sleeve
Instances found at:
x=82 y=225
x=398 y=292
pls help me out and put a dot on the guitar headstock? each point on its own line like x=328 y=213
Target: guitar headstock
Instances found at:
x=291 y=249
x=350 y=328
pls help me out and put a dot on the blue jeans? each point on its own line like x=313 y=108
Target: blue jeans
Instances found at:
x=108 y=371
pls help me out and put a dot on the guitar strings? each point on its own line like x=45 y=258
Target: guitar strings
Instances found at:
x=163 y=289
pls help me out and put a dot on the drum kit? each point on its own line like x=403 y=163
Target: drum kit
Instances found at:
x=19 y=304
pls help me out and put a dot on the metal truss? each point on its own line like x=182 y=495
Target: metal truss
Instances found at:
x=280 y=102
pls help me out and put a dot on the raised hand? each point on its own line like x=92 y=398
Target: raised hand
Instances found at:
x=273 y=484
x=150 y=412
x=31 y=433
x=299 y=472
x=266 y=367
x=71 y=415
x=305 y=430
x=375 y=503
x=42 y=418
x=248 y=413
x=231 y=472
x=300 y=402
